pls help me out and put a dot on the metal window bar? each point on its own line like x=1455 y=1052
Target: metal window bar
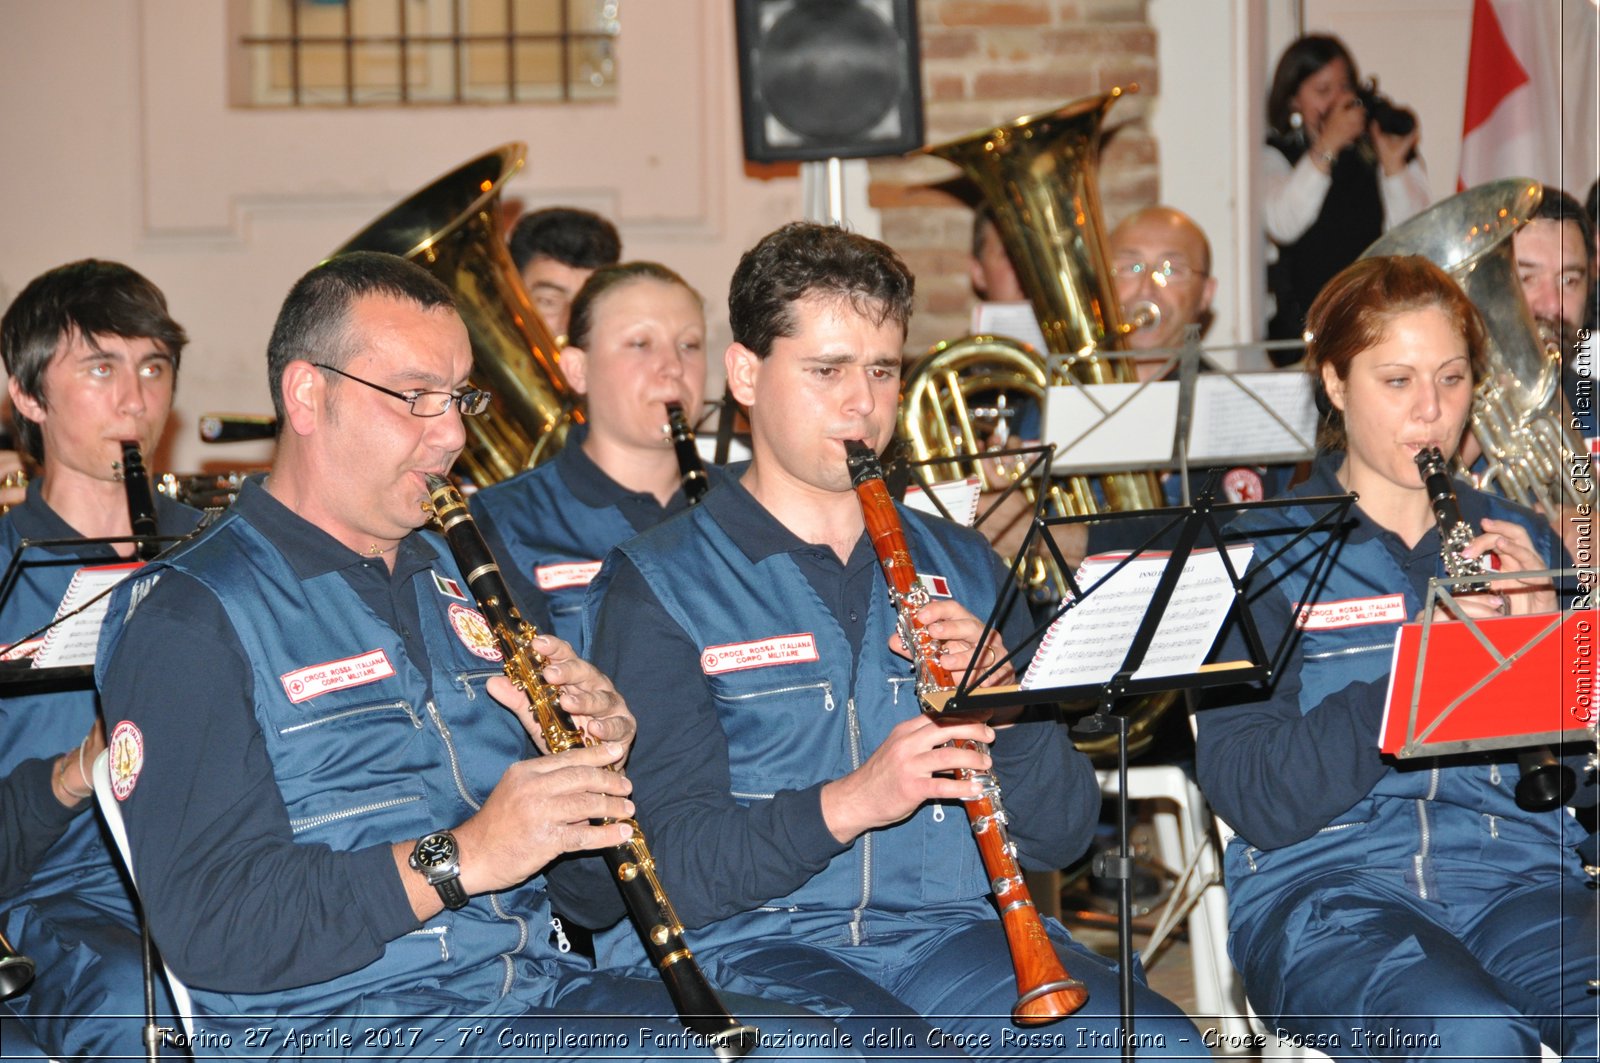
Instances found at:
x=295 y=41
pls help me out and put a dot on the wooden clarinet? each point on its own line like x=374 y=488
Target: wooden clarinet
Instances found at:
x=632 y=866
x=1045 y=991
x=692 y=469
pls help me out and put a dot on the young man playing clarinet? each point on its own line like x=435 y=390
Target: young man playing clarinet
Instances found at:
x=820 y=851
x=638 y=343
x=92 y=354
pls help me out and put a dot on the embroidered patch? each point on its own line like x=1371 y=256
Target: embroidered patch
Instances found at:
x=565 y=574
x=763 y=653
x=448 y=587
x=126 y=755
x=937 y=586
x=1243 y=485
x=1352 y=612
x=474 y=632
x=303 y=684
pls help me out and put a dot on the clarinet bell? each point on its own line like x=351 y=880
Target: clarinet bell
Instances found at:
x=1546 y=783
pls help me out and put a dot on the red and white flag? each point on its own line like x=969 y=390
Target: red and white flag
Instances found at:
x=1531 y=92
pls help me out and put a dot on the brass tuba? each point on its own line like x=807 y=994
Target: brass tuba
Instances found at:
x=1519 y=414
x=451 y=229
x=1038 y=175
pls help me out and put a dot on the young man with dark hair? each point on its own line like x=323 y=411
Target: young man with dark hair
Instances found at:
x=92 y=354
x=819 y=846
x=307 y=742
x=555 y=250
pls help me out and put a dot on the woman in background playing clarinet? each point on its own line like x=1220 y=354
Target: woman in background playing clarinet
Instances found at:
x=1402 y=908
x=636 y=343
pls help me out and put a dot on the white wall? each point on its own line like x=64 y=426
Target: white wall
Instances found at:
x=121 y=144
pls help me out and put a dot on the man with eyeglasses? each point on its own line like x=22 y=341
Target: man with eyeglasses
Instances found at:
x=337 y=831
x=1160 y=256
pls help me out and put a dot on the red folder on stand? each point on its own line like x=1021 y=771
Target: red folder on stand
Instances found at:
x=1460 y=685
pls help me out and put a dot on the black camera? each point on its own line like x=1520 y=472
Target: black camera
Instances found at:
x=1391 y=118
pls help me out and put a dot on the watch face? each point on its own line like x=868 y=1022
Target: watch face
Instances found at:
x=436 y=850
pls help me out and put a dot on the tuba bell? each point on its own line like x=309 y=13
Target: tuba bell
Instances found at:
x=1519 y=414
x=1038 y=175
x=450 y=228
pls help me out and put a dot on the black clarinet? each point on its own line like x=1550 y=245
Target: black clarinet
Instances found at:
x=1545 y=782
x=632 y=867
x=141 y=503
x=695 y=484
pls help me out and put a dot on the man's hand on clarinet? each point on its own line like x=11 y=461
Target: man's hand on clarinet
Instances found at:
x=910 y=768
x=586 y=694
x=957 y=633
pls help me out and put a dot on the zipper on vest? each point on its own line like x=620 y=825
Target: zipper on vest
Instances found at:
x=388 y=706
x=853 y=723
x=895 y=683
x=753 y=797
x=309 y=822
x=450 y=748
x=438 y=932
x=826 y=686
x=1387 y=647
x=522 y=942
x=463 y=680
x=1419 y=862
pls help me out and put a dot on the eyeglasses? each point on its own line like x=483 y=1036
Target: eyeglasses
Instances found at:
x=470 y=402
x=1161 y=273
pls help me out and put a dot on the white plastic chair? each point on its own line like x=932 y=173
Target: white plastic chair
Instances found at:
x=111 y=810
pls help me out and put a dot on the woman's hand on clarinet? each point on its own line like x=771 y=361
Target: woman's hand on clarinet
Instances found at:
x=957 y=633
x=587 y=695
x=910 y=768
x=1514 y=551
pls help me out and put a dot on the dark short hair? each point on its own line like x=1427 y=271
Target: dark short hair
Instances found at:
x=984 y=229
x=1299 y=61
x=1353 y=311
x=1556 y=205
x=314 y=319
x=805 y=259
x=581 y=239
x=581 y=320
x=91 y=298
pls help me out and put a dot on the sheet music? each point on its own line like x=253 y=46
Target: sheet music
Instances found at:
x=960 y=497
x=74 y=641
x=1229 y=422
x=1140 y=432
x=1008 y=319
x=1086 y=645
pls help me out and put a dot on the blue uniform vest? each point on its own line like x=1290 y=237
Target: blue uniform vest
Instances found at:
x=550 y=535
x=1421 y=811
x=371 y=762
x=818 y=715
x=46 y=725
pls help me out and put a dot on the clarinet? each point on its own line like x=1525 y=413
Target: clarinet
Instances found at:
x=1545 y=782
x=693 y=470
x=141 y=503
x=632 y=866
x=16 y=970
x=1045 y=991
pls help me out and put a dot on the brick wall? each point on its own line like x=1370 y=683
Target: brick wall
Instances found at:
x=986 y=62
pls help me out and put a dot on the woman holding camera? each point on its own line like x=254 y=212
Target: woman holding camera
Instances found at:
x=1341 y=167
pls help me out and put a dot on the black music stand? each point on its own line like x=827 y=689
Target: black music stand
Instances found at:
x=1185 y=528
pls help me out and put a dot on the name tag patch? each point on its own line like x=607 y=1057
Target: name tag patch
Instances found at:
x=1352 y=612
x=566 y=574
x=474 y=632
x=763 y=653
x=303 y=684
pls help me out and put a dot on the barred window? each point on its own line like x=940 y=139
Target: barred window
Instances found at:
x=354 y=53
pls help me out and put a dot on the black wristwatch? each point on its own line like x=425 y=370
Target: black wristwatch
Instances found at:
x=437 y=857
